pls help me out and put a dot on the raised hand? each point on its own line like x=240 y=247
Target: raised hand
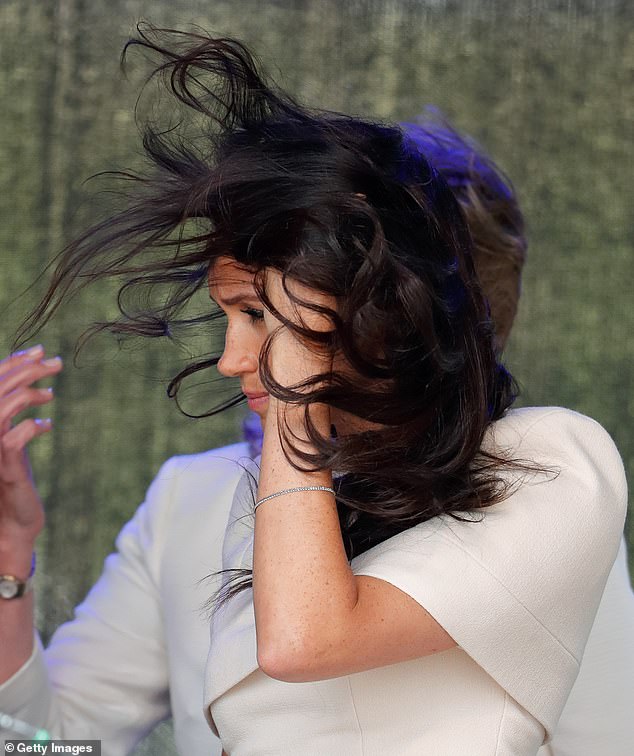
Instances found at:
x=21 y=511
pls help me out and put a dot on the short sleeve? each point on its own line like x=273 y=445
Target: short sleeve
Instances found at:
x=518 y=586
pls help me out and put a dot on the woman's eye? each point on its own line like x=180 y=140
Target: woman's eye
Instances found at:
x=255 y=315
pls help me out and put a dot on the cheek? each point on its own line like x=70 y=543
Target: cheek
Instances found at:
x=256 y=338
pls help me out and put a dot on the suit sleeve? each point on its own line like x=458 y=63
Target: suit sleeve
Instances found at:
x=518 y=587
x=104 y=675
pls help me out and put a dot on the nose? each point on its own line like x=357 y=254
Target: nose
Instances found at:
x=238 y=357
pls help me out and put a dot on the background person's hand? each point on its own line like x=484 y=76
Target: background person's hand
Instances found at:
x=21 y=510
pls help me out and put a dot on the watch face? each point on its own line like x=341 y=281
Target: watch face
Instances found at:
x=8 y=588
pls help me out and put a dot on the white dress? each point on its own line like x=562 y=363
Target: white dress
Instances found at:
x=135 y=652
x=518 y=591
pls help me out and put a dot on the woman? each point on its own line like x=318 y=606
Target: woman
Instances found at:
x=423 y=598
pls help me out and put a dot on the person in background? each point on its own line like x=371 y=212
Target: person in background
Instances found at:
x=144 y=611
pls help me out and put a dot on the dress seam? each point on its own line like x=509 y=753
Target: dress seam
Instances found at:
x=356 y=716
x=515 y=598
x=499 y=735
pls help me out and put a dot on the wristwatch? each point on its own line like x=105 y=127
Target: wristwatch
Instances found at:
x=12 y=587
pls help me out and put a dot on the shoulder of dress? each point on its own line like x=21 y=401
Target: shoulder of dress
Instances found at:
x=526 y=417
x=550 y=427
x=565 y=442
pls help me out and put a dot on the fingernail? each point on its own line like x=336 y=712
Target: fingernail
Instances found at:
x=52 y=362
x=48 y=390
x=33 y=351
x=45 y=422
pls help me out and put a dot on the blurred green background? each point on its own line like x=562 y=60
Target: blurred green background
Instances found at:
x=545 y=86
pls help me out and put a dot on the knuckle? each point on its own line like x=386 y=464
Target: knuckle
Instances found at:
x=14 y=441
x=20 y=398
x=11 y=358
x=7 y=443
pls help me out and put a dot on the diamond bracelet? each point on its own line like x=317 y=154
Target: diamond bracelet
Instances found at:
x=293 y=490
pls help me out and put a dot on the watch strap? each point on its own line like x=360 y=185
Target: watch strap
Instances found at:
x=11 y=587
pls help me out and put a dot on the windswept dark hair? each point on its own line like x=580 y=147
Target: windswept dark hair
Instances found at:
x=350 y=208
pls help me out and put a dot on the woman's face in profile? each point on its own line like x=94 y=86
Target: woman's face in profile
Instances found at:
x=231 y=287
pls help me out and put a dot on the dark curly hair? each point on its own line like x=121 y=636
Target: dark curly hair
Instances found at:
x=348 y=207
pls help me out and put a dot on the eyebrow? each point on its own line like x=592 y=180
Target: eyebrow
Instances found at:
x=237 y=298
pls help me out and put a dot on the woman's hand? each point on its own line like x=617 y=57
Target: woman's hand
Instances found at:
x=21 y=511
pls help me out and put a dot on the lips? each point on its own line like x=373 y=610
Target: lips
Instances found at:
x=257 y=401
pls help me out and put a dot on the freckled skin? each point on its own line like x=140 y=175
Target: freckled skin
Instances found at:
x=307 y=627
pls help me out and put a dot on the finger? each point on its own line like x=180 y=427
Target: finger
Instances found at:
x=8 y=363
x=28 y=372
x=15 y=467
x=19 y=400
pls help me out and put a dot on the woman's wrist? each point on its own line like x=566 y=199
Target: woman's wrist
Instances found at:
x=16 y=556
